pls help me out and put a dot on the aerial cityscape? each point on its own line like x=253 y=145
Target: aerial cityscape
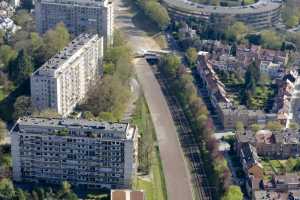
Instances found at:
x=149 y=99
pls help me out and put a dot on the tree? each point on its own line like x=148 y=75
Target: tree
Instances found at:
x=157 y=13
x=22 y=107
x=20 y=68
x=170 y=65
x=239 y=127
x=3 y=131
x=255 y=127
x=88 y=115
x=47 y=113
x=274 y=126
x=271 y=40
x=55 y=40
x=24 y=19
x=118 y=38
x=233 y=193
x=236 y=31
x=293 y=126
x=292 y=21
x=108 y=96
x=233 y=49
x=191 y=55
x=7 y=54
x=7 y=190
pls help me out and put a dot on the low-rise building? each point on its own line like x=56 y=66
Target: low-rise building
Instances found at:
x=7 y=25
x=270 y=195
x=127 y=195
x=273 y=145
x=87 y=154
x=274 y=70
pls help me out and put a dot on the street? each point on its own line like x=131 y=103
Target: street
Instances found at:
x=176 y=172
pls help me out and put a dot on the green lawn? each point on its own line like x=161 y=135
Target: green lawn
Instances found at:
x=154 y=184
x=154 y=188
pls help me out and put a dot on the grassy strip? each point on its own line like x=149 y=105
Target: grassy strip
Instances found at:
x=154 y=183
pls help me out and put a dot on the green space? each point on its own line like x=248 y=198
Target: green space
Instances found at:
x=151 y=178
x=278 y=167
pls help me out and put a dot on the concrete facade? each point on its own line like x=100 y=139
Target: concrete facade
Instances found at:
x=79 y=16
x=64 y=80
x=263 y=14
x=85 y=153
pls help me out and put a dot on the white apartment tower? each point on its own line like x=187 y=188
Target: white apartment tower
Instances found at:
x=64 y=80
x=87 y=154
x=79 y=16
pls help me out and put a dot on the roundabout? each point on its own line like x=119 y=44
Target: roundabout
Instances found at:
x=259 y=15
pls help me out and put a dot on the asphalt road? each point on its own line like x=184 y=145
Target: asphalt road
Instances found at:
x=177 y=174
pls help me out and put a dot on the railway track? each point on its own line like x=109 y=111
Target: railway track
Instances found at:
x=191 y=149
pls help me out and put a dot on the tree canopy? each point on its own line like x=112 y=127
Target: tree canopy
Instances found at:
x=21 y=68
x=234 y=193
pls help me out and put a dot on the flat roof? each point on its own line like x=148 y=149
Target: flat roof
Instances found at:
x=56 y=62
x=67 y=122
x=98 y=3
x=197 y=8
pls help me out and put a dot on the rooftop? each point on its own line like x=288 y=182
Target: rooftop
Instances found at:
x=127 y=195
x=286 y=136
x=197 y=8
x=57 y=61
x=26 y=124
x=98 y=3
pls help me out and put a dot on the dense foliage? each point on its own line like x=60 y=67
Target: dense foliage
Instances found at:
x=155 y=12
x=109 y=97
x=181 y=83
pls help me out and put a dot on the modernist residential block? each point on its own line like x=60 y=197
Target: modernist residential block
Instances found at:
x=79 y=16
x=87 y=154
x=65 y=79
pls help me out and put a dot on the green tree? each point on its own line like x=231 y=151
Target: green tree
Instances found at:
x=170 y=64
x=24 y=19
x=236 y=31
x=20 y=68
x=293 y=126
x=239 y=127
x=22 y=107
x=255 y=127
x=274 y=126
x=20 y=194
x=7 y=190
x=234 y=193
x=271 y=39
x=55 y=40
x=292 y=21
x=157 y=13
x=7 y=54
x=3 y=131
x=191 y=55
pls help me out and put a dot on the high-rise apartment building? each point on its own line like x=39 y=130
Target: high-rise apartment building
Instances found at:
x=79 y=16
x=85 y=153
x=64 y=80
